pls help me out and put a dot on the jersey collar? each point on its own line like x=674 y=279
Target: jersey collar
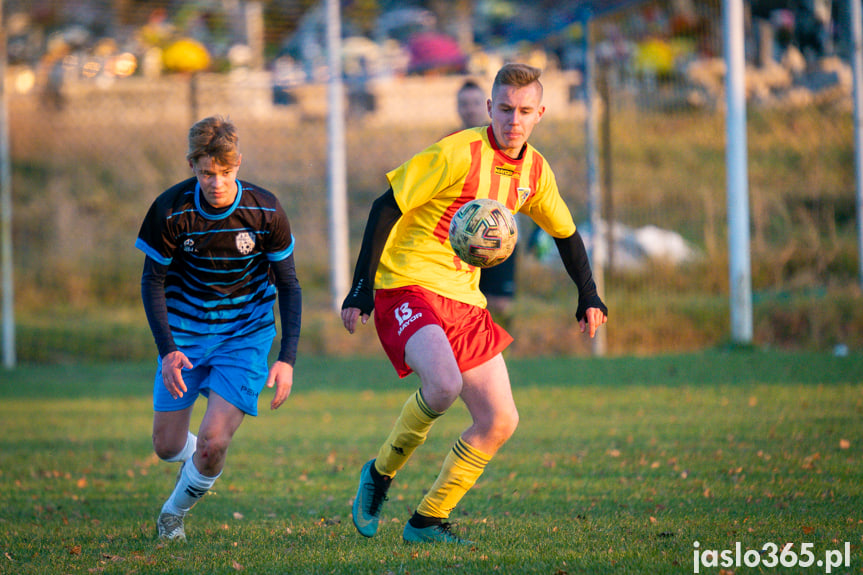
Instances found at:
x=222 y=214
x=493 y=143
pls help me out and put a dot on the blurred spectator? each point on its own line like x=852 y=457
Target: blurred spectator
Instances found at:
x=361 y=100
x=806 y=24
x=52 y=73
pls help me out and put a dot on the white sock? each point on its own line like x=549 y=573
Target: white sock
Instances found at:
x=191 y=486
x=188 y=449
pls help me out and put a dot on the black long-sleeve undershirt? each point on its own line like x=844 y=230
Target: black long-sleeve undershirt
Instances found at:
x=577 y=265
x=383 y=215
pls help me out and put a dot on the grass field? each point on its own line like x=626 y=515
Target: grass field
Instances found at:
x=618 y=466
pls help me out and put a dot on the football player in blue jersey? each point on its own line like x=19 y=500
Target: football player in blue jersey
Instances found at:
x=219 y=253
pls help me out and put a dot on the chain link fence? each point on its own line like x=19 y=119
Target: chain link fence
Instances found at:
x=93 y=143
x=661 y=76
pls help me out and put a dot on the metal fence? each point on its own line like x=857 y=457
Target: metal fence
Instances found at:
x=661 y=76
x=91 y=149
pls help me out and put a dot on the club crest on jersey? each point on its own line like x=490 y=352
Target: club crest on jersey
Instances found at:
x=245 y=243
x=523 y=195
x=189 y=246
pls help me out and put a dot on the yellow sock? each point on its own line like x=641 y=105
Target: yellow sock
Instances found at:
x=409 y=432
x=461 y=468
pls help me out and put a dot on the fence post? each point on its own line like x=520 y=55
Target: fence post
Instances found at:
x=594 y=201
x=6 y=211
x=857 y=67
x=740 y=273
x=338 y=212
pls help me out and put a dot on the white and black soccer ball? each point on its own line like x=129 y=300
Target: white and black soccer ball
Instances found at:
x=483 y=232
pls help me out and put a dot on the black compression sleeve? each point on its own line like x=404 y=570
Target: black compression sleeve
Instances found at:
x=383 y=215
x=290 y=307
x=577 y=265
x=155 y=305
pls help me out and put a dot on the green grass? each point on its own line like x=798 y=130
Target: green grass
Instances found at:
x=618 y=466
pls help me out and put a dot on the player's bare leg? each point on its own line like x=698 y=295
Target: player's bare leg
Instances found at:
x=429 y=354
x=171 y=438
x=488 y=396
x=487 y=393
x=197 y=476
x=220 y=422
x=170 y=432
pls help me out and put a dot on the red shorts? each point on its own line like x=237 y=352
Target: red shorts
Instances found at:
x=400 y=312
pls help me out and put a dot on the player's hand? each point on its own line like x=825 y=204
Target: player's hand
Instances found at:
x=282 y=376
x=359 y=303
x=173 y=365
x=593 y=318
x=350 y=315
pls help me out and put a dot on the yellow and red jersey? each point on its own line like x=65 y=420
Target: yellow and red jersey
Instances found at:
x=429 y=189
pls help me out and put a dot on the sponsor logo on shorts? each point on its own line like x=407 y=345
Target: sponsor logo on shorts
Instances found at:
x=248 y=391
x=406 y=316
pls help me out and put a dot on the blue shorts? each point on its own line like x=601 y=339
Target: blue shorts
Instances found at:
x=236 y=370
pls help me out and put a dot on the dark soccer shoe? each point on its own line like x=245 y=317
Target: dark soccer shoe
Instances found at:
x=439 y=533
x=371 y=495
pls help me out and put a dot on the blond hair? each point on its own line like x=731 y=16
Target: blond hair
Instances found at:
x=517 y=75
x=214 y=137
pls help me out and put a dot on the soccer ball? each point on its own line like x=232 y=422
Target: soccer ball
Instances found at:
x=483 y=233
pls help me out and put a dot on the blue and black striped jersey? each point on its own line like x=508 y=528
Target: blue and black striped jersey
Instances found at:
x=218 y=282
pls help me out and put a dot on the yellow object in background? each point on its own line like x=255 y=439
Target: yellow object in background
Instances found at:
x=186 y=55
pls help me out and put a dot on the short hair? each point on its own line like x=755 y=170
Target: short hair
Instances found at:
x=517 y=75
x=214 y=137
x=469 y=85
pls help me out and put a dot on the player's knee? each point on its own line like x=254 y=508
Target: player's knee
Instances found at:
x=502 y=427
x=167 y=448
x=212 y=448
x=441 y=394
x=509 y=424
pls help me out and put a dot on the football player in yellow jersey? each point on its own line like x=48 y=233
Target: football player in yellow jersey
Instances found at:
x=430 y=315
